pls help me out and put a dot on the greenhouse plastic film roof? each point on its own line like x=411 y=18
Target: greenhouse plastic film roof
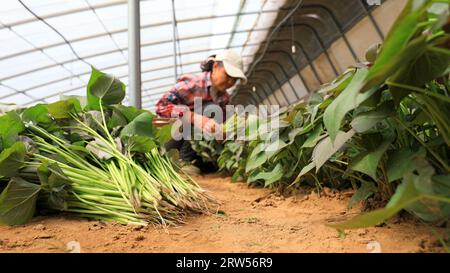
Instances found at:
x=47 y=46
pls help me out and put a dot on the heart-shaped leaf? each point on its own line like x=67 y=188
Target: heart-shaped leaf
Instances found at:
x=12 y=159
x=18 y=202
x=105 y=88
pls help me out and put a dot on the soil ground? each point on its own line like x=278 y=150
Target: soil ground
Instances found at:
x=248 y=220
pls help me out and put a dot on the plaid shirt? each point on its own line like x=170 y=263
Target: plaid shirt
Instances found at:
x=184 y=91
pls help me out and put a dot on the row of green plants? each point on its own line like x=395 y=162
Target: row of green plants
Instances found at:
x=93 y=157
x=383 y=129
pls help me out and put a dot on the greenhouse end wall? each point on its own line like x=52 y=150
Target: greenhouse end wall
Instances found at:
x=360 y=37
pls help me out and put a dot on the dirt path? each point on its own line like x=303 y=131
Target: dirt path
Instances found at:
x=249 y=220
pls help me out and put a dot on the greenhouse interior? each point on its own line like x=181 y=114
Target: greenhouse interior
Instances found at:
x=212 y=126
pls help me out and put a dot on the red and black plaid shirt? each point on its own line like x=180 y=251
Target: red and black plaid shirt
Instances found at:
x=185 y=91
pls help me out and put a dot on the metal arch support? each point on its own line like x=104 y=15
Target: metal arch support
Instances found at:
x=123 y=75
x=294 y=64
x=372 y=19
x=255 y=94
x=268 y=94
x=126 y=29
x=308 y=59
x=67 y=12
x=259 y=86
x=245 y=94
x=121 y=49
x=252 y=95
x=285 y=75
x=144 y=45
x=338 y=25
x=322 y=45
x=313 y=68
x=260 y=98
x=125 y=48
x=83 y=86
x=262 y=86
x=276 y=79
x=121 y=64
x=310 y=62
x=241 y=97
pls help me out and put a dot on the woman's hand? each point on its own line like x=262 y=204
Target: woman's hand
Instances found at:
x=212 y=127
x=207 y=125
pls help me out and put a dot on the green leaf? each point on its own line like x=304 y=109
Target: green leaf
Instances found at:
x=436 y=109
x=140 y=144
x=81 y=99
x=421 y=174
x=55 y=186
x=298 y=120
x=441 y=187
x=367 y=220
x=12 y=159
x=37 y=114
x=439 y=12
x=63 y=109
x=236 y=175
x=117 y=119
x=368 y=162
x=129 y=112
x=314 y=137
x=141 y=126
x=251 y=126
x=99 y=149
x=264 y=151
x=395 y=50
x=326 y=149
x=11 y=126
x=366 y=121
x=399 y=162
x=413 y=195
x=405 y=195
x=256 y=158
x=365 y=191
x=18 y=202
x=269 y=177
x=164 y=134
x=273 y=147
x=104 y=87
x=348 y=100
x=304 y=171
x=336 y=86
x=431 y=63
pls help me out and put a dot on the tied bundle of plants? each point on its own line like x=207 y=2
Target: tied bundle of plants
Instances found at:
x=99 y=160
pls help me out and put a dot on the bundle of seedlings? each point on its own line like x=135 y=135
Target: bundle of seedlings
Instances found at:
x=98 y=159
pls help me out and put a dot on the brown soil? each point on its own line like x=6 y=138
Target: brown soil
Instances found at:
x=248 y=220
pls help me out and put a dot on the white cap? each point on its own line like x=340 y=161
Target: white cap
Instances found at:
x=232 y=63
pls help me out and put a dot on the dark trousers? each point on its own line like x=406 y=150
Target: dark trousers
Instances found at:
x=187 y=154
